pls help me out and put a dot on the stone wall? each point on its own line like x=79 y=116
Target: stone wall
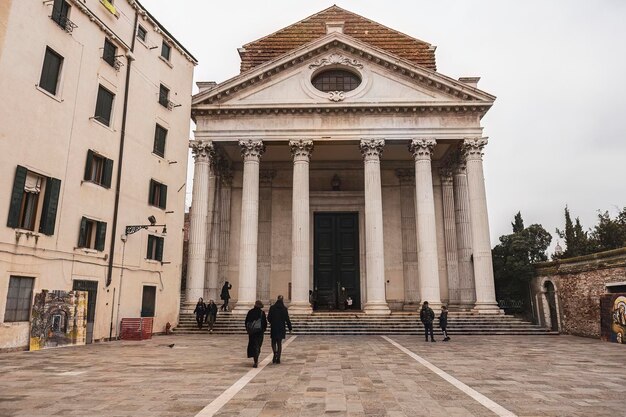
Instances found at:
x=578 y=285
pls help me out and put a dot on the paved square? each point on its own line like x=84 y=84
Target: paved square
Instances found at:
x=335 y=375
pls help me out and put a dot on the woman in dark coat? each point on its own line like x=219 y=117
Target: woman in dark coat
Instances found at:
x=255 y=339
x=225 y=295
x=278 y=318
x=199 y=311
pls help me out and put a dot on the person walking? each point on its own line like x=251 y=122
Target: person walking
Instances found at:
x=200 y=311
x=211 y=314
x=278 y=318
x=443 y=323
x=427 y=316
x=256 y=324
x=225 y=295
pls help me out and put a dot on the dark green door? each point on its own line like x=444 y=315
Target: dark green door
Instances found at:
x=92 y=294
x=148 y=301
x=336 y=259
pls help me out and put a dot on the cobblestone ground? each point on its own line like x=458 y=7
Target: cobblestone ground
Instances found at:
x=338 y=376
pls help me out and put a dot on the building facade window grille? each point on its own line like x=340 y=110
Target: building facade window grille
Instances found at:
x=336 y=80
x=160 y=135
x=155 y=248
x=104 y=106
x=19 y=299
x=60 y=15
x=109 y=55
x=92 y=234
x=164 y=97
x=98 y=169
x=166 y=51
x=158 y=194
x=142 y=33
x=51 y=71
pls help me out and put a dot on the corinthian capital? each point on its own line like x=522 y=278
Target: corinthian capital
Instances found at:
x=252 y=149
x=472 y=148
x=372 y=148
x=301 y=149
x=422 y=149
x=202 y=151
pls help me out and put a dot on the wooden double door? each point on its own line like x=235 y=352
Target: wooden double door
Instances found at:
x=336 y=260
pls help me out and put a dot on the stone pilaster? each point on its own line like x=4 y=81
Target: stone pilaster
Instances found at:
x=481 y=245
x=447 y=191
x=300 y=234
x=409 y=238
x=374 y=240
x=251 y=151
x=204 y=154
x=463 y=235
x=427 y=257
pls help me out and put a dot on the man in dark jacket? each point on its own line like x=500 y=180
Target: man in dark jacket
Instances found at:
x=225 y=295
x=211 y=314
x=427 y=316
x=278 y=318
x=199 y=311
x=443 y=323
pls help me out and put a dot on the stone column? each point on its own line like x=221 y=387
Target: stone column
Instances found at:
x=409 y=238
x=447 y=191
x=481 y=245
x=213 y=233
x=203 y=153
x=264 y=256
x=463 y=235
x=427 y=259
x=226 y=179
x=251 y=151
x=300 y=234
x=374 y=240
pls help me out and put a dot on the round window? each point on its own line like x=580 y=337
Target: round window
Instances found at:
x=336 y=80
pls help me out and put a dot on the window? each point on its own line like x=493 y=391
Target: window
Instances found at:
x=19 y=299
x=49 y=80
x=166 y=51
x=92 y=234
x=164 y=96
x=155 y=248
x=142 y=33
x=148 y=301
x=336 y=80
x=104 y=106
x=158 y=194
x=60 y=13
x=25 y=202
x=109 y=52
x=98 y=169
x=160 y=134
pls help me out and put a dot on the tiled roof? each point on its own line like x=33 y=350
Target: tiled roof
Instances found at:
x=278 y=43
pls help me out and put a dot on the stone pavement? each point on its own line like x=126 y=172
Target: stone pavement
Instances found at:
x=336 y=376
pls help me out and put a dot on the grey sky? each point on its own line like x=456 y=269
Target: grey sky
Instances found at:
x=558 y=128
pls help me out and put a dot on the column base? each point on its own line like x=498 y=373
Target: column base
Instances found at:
x=487 y=308
x=242 y=308
x=301 y=308
x=461 y=307
x=377 y=308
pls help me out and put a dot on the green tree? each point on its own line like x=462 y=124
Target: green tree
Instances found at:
x=513 y=260
x=609 y=233
x=577 y=241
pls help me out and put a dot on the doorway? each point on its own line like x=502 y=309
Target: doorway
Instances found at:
x=92 y=292
x=148 y=301
x=336 y=260
x=551 y=296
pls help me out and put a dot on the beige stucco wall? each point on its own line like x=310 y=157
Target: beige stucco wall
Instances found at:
x=51 y=136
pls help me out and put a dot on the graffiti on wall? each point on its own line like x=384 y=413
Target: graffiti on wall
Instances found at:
x=59 y=318
x=613 y=318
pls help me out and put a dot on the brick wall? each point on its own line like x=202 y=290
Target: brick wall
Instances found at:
x=579 y=283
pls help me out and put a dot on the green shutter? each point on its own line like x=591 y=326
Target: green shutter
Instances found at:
x=82 y=234
x=88 y=165
x=16 y=196
x=163 y=200
x=151 y=193
x=50 y=204
x=101 y=233
x=159 y=248
x=108 y=173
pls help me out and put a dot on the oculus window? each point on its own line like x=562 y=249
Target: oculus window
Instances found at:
x=336 y=80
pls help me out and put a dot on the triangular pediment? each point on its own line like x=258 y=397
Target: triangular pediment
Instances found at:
x=386 y=80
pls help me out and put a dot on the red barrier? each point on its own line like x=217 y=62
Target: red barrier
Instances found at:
x=136 y=329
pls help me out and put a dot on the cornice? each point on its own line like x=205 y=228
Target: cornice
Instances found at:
x=366 y=53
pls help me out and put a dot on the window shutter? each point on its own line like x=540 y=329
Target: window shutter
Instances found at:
x=150 y=243
x=50 y=204
x=159 y=248
x=151 y=193
x=163 y=199
x=108 y=173
x=101 y=234
x=16 y=196
x=82 y=234
x=88 y=165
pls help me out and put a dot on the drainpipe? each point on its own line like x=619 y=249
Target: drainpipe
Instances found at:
x=130 y=59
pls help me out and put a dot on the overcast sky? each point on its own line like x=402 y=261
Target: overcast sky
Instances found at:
x=558 y=68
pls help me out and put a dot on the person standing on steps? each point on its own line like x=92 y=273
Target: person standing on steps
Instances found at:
x=225 y=295
x=278 y=318
x=443 y=323
x=427 y=316
x=211 y=314
x=200 y=311
x=256 y=324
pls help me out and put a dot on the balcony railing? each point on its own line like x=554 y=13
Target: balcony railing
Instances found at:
x=63 y=21
x=165 y=102
x=113 y=61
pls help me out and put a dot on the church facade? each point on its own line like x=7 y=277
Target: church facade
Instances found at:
x=340 y=164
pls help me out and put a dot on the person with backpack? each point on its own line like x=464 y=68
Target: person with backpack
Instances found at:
x=256 y=324
x=278 y=318
x=200 y=311
x=443 y=323
x=427 y=316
